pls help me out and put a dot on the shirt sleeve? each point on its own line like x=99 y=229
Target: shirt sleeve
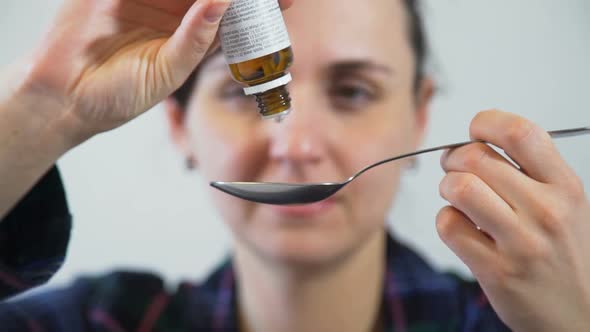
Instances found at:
x=119 y=301
x=34 y=237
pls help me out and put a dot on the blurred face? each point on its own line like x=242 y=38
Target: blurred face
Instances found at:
x=354 y=104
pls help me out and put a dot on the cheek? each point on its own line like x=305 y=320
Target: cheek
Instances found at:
x=374 y=191
x=226 y=149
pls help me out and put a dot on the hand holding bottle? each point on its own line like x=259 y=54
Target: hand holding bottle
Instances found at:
x=106 y=62
x=101 y=64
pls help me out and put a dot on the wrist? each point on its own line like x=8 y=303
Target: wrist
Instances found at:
x=32 y=126
x=38 y=116
x=33 y=136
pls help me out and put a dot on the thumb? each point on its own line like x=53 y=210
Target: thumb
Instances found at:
x=190 y=42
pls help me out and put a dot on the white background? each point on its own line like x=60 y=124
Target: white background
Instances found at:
x=135 y=206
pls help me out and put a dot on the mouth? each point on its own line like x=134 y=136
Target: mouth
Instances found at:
x=305 y=211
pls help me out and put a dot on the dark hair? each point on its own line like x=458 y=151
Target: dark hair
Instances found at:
x=417 y=38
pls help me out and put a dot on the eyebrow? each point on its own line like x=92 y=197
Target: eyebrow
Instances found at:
x=359 y=65
x=349 y=66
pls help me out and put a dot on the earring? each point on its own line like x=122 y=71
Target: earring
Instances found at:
x=190 y=163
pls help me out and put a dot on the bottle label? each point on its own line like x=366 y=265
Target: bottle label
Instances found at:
x=251 y=29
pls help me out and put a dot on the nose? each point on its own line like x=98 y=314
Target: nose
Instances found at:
x=298 y=140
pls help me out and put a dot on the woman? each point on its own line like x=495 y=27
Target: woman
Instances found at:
x=360 y=95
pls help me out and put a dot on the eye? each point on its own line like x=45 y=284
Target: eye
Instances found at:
x=352 y=94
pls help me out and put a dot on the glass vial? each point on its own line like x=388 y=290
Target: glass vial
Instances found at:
x=257 y=48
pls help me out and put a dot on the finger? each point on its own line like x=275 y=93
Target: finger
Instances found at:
x=175 y=7
x=526 y=143
x=214 y=46
x=505 y=179
x=143 y=15
x=470 y=195
x=286 y=4
x=188 y=45
x=472 y=246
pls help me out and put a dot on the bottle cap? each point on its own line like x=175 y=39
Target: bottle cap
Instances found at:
x=283 y=80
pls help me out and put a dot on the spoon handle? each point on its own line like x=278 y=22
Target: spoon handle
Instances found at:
x=554 y=134
x=569 y=132
x=415 y=153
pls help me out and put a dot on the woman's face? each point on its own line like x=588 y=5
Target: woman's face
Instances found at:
x=353 y=104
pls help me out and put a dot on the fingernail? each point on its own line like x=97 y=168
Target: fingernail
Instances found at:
x=216 y=10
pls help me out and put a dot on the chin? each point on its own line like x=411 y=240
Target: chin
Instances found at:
x=303 y=250
x=311 y=236
x=303 y=247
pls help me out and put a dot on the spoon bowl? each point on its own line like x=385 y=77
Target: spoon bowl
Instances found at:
x=307 y=193
x=280 y=193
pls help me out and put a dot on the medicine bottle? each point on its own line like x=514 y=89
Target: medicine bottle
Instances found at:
x=257 y=48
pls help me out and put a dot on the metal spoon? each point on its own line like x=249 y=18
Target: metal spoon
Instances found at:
x=305 y=193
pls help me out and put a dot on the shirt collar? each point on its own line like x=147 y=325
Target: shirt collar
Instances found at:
x=405 y=272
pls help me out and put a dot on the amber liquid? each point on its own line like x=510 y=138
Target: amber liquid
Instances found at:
x=264 y=69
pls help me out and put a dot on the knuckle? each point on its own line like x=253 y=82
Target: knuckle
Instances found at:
x=552 y=218
x=474 y=156
x=203 y=38
x=442 y=187
x=167 y=74
x=444 y=158
x=444 y=225
x=530 y=250
x=516 y=266
x=575 y=188
x=479 y=121
x=518 y=263
x=498 y=276
x=459 y=187
x=518 y=131
x=201 y=43
x=508 y=274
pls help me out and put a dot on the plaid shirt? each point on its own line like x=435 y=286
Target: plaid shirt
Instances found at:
x=33 y=242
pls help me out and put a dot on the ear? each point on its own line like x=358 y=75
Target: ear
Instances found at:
x=424 y=97
x=177 y=128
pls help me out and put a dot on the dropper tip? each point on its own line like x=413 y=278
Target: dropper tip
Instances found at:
x=279 y=117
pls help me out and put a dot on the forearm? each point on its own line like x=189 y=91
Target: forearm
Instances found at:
x=32 y=138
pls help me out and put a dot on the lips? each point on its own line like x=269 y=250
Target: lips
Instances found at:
x=305 y=211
